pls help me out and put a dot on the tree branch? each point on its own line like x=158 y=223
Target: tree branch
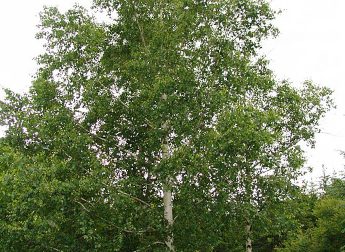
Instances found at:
x=135 y=198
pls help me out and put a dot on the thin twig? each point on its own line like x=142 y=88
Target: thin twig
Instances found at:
x=142 y=37
x=147 y=120
x=55 y=249
x=87 y=210
x=82 y=127
x=155 y=243
x=135 y=198
x=141 y=33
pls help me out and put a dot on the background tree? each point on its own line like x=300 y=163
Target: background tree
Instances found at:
x=327 y=233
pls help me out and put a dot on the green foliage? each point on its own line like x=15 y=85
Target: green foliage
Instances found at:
x=87 y=140
x=328 y=232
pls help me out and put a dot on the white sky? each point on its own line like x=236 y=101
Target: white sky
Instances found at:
x=310 y=46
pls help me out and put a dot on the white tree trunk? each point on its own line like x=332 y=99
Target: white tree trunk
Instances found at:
x=168 y=214
x=249 y=247
x=167 y=201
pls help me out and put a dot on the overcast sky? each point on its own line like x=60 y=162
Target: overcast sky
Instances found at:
x=310 y=47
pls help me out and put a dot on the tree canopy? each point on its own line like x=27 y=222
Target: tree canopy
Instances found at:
x=160 y=129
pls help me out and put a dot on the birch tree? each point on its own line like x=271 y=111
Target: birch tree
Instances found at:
x=195 y=137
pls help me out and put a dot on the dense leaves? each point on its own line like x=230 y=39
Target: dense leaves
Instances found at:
x=328 y=230
x=163 y=91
